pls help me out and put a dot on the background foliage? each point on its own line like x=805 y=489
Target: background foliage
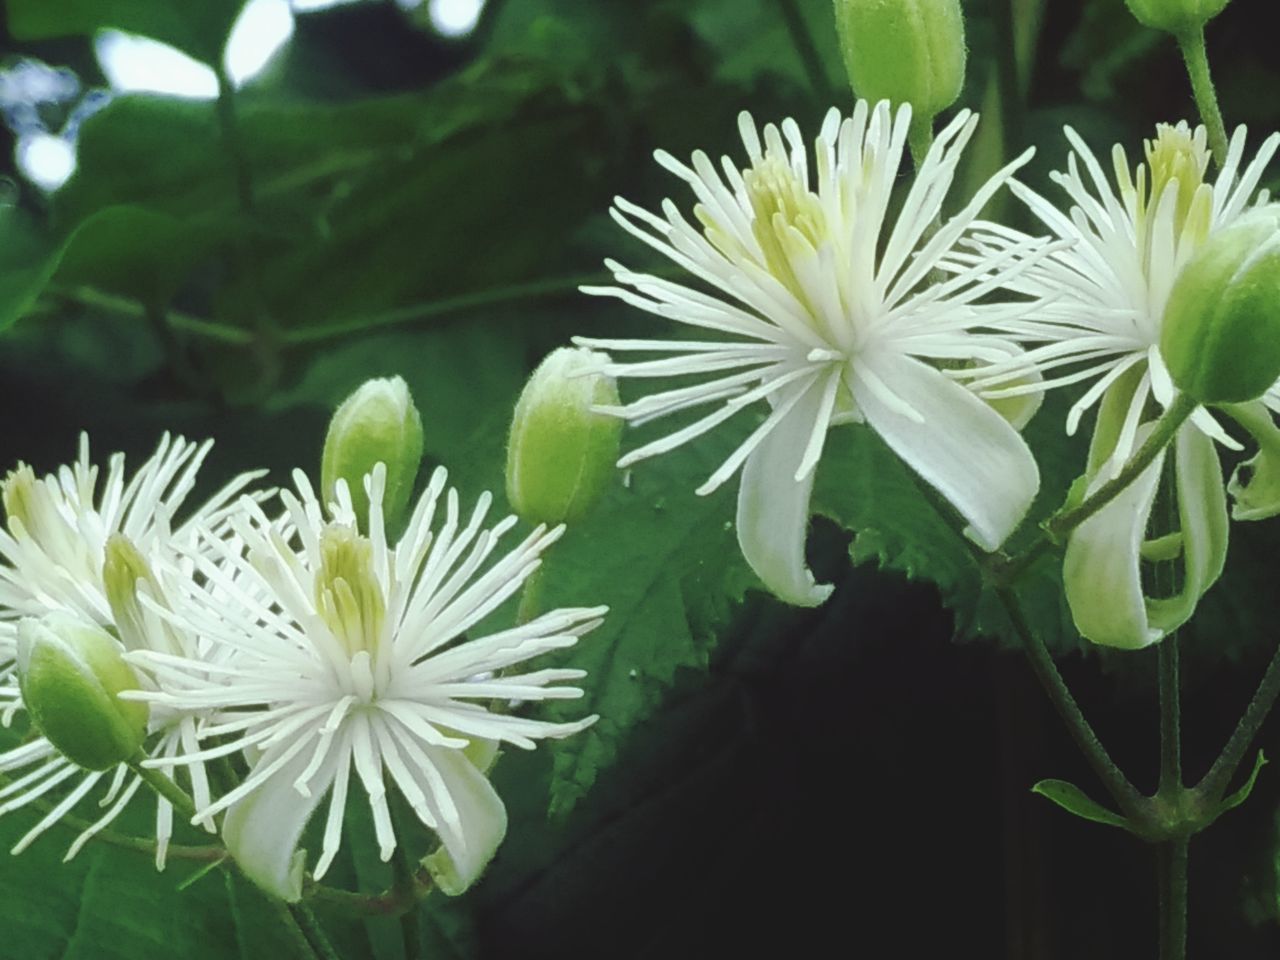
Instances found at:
x=395 y=202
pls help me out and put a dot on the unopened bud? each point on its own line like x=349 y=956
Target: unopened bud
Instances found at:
x=1175 y=16
x=905 y=51
x=1221 y=331
x=71 y=673
x=377 y=424
x=561 y=453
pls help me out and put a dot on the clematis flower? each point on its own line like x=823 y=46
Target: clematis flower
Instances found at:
x=344 y=656
x=811 y=301
x=1128 y=243
x=69 y=546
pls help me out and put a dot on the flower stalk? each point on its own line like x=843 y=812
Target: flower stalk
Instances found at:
x=1196 y=57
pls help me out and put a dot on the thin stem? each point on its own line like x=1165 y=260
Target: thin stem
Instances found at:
x=233 y=141
x=919 y=140
x=1064 y=521
x=405 y=885
x=313 y=931
x=392 y=903
x=1171 y=859
x=806 y=48
x=1170 y=716
x=1197 y=60
x=1117 y=784
x=162 y=785
x=301 y=943
x=1215 y=782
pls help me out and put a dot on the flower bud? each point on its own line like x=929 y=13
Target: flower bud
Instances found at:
x=377 y=424
x=906 y=51
x=561 y=453
x=71 y=673
x=1175 y=16
x=1221 y=331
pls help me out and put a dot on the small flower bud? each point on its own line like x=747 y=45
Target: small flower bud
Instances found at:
x=905 y=51
x=1221 y=331
x=1175 y=16
x=561 y=454
x=71 y=673
x=377 y=424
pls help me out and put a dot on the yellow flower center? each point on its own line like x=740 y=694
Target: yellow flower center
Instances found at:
x=1178 y=156
x=348 y=595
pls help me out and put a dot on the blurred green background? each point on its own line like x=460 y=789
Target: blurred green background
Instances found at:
x=419 y=190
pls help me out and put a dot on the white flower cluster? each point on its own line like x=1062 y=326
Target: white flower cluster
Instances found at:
x=280 y=654
x=829 y=302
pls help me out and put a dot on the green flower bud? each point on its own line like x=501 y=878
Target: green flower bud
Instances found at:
x=906 y=51
x=71 y=673
x=561 y=454
x=1221 y=331
x=377 y=424
x=1175 y=16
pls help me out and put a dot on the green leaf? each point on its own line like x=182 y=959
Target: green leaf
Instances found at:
x=27 y=260
x=1073 y=800
x=1241 y=795
x=199 y=27
x=667 y=564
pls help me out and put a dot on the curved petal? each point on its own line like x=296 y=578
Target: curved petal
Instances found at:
x=1255 y=485
x=964 y=449
x=1202 y=516
x=469 y=840
x=262 y=830
x=773 y=507
x=1101 y=571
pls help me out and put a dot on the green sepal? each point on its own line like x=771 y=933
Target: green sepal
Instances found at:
x=1074 y=800
x=1234 y=800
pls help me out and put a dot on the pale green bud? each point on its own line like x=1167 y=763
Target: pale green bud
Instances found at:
x=71 y=673
x=561 y=454
x=377 y=424
x=905 y=51
x=1221 y=331
x=1175 y=16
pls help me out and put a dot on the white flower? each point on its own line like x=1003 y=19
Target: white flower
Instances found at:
x=1128 y=244
x=817 y=306
x=353 y=659
x=59 y=532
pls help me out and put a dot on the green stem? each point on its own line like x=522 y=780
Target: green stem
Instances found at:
x=313 y=931
x=405 y=886
x=1006 y=569
x=1172 y=864
x=1117 y=784
x=1215 y=782
x=1197 y=59
x=1170 y=717
x=1063 y=522
x=297 y=935
x=919 y=140
x=162 y=785
x=391 y=903
x=807 y=49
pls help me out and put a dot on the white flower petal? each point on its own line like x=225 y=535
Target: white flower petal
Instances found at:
x=1202 y=517
x=262 y=830
x=468 y=845
x=773 y=506
x=961 y=446
x=1101 y=571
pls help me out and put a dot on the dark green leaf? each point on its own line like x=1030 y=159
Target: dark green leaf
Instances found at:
x=27 y=259
x=199 y=27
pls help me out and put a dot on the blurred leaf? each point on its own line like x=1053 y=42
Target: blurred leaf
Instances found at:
x=1074 y=800
x=199 y=27
x=751 y=39
x=27 y=260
